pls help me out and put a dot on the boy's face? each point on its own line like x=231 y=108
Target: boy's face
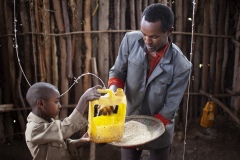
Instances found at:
x=51 y=106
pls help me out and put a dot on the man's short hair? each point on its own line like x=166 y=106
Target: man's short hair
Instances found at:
x=159 y=12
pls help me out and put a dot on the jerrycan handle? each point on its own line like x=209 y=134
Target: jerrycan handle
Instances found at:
x=110 y=98
x=109 y=91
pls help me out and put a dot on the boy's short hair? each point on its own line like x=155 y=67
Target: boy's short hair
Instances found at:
x=39 y=90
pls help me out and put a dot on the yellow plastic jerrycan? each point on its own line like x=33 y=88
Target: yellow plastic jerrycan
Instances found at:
x=107 y=128
x=208 y=114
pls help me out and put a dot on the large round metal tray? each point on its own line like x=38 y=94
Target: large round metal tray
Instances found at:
x=154 y=126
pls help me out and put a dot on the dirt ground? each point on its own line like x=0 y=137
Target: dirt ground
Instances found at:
x=220 y=142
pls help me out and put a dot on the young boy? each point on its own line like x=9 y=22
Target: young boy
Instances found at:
x=46 y=138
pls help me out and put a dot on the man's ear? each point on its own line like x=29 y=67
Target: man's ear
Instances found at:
x=169 y=32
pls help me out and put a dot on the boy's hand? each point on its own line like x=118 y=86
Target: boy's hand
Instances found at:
x=81 y=141
x=89 y=95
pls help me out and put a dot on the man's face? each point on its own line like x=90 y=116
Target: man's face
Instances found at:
x=154 y=39
x=51 y=106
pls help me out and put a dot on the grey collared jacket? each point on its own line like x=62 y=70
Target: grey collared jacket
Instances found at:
x=162 y=92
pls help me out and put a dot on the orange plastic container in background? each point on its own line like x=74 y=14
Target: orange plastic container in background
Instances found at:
x=208 y=114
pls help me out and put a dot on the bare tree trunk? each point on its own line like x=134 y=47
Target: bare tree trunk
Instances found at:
x=206 y=47
x=222 y=12
x=197 y=59
x=32 y=15
x=179 y=22
x=123 y=6
x=139 y=13
x=77 y=24
x=185 y=11
x=88 y=42
x=225 y=57
x=235 y=101
x=205 y=67
x=19 y=102
x=69 y=44
x=25 y=28
x=9 y=29
x=2 y=134
x=151 y=1
x=95 y=28
x=132 y=14
x=62 y=44
x=95 y=82
x=213 y=46
x=145 y=4
x=103 y=51
x=55 y=76
x=78 y=63
x=42 y=69
x=47 y=39
x=117 y=15
x=4 y=130
x=74 y=28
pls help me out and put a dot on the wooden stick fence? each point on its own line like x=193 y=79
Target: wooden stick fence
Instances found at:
x=58 y=40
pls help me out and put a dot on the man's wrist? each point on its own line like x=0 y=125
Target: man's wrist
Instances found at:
x=113 y=87
x=161 y=118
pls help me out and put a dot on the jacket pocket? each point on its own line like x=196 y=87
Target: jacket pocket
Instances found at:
x=57 y=151
x=135 y=72
x=134 y=60
x=165 y=78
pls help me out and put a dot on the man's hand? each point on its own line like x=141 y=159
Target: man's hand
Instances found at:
x=105 y=110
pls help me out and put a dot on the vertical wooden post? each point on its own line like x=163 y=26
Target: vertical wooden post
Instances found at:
x=179 y=22
x=138 y=13
x=41 y=62
x=11 y=58
x=25 y=28
x=235 y=101
x=78 y=63
x=55 y=78
x=92 y=155
x=197 y=60
x=33 y=29
x=103 y=50
x=68 y=38
x=88 y=43
x=213 y=21
x=132 y=14
x=6 y=88
x=47 y=39
x=225 y=53
x=206 y=50
x=219 y=58
x=117 y=15
x=63 y=55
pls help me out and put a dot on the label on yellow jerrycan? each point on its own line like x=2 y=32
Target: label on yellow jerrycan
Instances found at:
x=208 y=114
x=110 y=127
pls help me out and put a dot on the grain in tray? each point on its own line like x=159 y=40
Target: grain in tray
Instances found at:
x=134 y=133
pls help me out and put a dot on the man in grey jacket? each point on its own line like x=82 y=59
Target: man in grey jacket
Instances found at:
x=154 y=74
